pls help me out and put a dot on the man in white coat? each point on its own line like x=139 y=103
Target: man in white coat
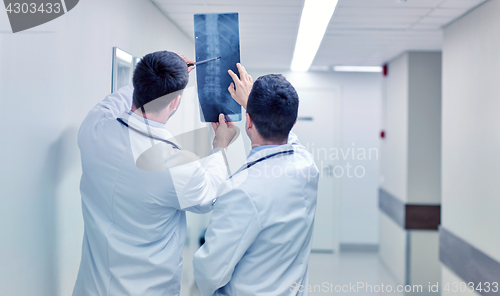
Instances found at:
x=259 y=238
x=137 y=184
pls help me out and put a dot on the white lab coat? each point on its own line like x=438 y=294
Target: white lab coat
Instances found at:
x=135 y=223
x=259 y=238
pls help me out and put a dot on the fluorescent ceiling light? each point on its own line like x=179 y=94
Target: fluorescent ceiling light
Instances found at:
x=357 y=69
x=315 y=18
x=124 y=56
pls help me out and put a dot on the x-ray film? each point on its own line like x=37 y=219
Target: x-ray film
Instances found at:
x=217 y=35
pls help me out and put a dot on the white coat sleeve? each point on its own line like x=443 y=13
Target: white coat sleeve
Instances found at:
x=197 y=182
x=233 y=227
x=108 y=109
x=116 y=103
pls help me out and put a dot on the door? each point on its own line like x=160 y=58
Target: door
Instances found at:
x=318 y=129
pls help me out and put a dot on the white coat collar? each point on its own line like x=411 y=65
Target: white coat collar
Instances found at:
x=269 y=151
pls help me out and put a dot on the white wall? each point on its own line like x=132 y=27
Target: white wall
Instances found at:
x=410 y=162
x=471 y=129
x=424 y=266
x=424 y=128
x=360 y=105
x=410 y=169
x=393 y=247
x=361 y=95
x=394 y=164
x=50 y=77
x=394 y=148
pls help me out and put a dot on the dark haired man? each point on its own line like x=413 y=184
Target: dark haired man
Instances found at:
x=260 y=233
x=134 y=201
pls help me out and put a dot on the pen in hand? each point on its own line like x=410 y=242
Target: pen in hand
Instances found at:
x=202 y=62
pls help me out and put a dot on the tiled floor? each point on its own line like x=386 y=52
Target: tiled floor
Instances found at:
x=347 y=270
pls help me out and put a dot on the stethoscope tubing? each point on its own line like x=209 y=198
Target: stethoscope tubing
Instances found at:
x=148 y=135
x=245 y=167
x=251 y=164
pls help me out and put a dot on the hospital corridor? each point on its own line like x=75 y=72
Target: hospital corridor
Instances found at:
x=250 y=147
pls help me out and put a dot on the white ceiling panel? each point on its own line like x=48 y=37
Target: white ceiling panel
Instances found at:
x=453 y=12
x=190 y=9
x=467 y=4
x=375 y=18
x=202 y=8
x=390 y=3
x=180 y=2
x=381 y=11
x=436 y=20
x=427 y=26
x=257 y=2
x=361 y=32
x=371 y=25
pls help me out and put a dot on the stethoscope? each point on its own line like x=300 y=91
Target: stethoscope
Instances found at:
x=251 y=164
x=148 y=134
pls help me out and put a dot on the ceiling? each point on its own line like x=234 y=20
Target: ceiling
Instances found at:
x=361 y=32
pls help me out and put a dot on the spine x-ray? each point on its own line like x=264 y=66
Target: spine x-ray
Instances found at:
x=217 y=35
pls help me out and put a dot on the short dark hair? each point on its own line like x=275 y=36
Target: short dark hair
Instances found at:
x=273 y=105
x=156 y=75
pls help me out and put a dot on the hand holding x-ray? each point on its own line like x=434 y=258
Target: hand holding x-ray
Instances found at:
x=240 y=87
x=224 y=132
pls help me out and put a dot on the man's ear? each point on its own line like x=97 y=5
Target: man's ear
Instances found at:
x=175 y=103
x=249 y=124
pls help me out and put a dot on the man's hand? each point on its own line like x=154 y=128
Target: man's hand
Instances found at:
x=224 y=132
x=188 y=61
x=240 y=87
